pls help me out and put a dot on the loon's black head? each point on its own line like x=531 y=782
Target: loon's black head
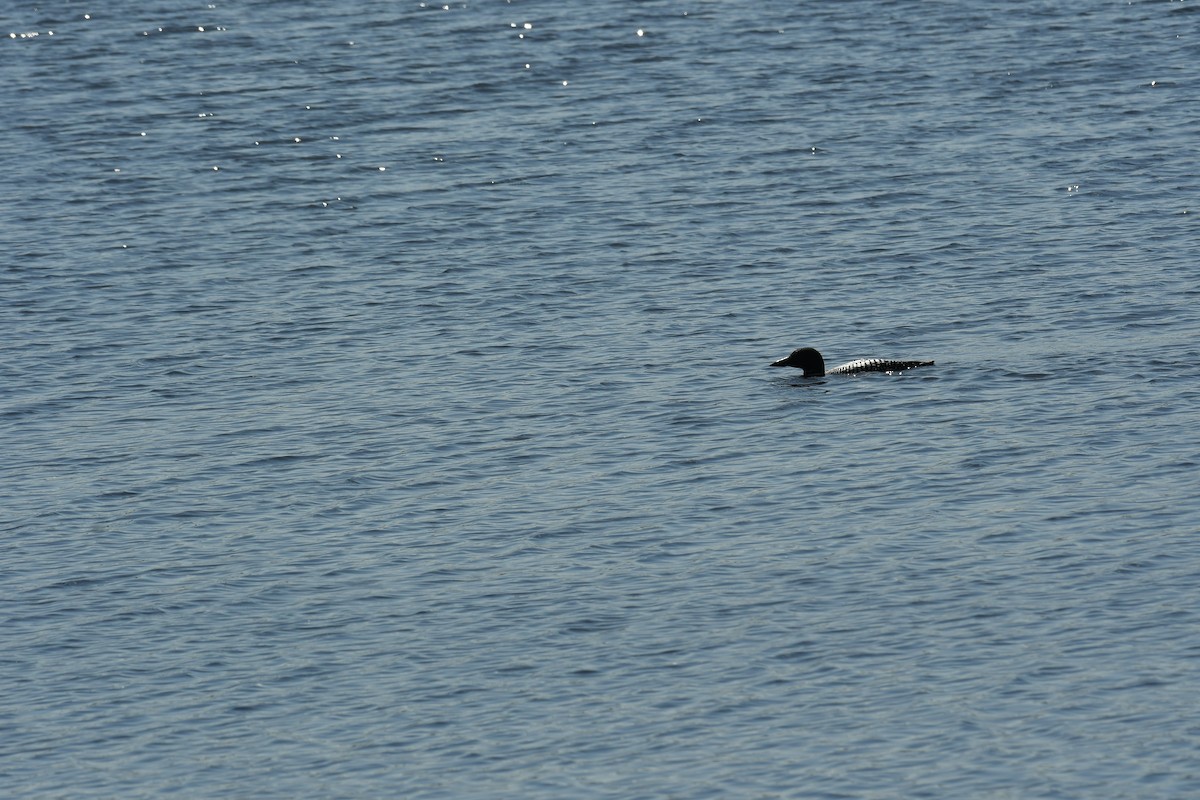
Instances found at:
x=807 y=359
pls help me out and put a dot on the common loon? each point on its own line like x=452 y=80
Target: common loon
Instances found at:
x=809 y=360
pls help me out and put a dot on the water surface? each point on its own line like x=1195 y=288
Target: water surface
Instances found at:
x=386 y=410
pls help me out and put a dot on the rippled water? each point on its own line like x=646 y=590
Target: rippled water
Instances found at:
x=386 y=413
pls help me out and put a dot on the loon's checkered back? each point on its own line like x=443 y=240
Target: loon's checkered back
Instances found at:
x=875 y=365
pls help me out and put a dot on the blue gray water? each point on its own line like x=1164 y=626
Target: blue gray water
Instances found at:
x=385 y=407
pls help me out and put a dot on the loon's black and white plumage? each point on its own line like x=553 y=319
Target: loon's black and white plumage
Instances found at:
x=809 y=360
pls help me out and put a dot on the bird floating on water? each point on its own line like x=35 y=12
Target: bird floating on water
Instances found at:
x=810 y=360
